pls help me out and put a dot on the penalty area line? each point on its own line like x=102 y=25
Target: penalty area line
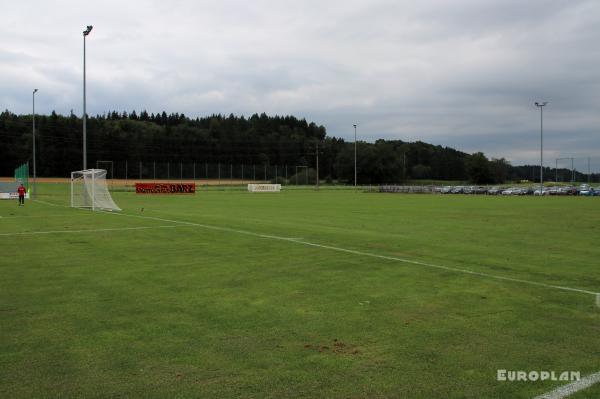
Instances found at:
x=570 y=389
x=372 y=255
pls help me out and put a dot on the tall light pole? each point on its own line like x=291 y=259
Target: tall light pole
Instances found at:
x=86 y=32
x=541 y=107
x=354 y=155
x=33 y=113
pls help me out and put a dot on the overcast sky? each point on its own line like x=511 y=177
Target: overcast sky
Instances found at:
x=462 y=73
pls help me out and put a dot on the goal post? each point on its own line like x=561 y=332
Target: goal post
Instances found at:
x=89 y=190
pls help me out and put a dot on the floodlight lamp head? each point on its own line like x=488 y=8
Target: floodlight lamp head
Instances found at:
x=87 y=30
x=354 y=126
x=35 y=91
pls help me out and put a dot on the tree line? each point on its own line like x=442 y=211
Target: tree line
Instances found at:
x=259 y=139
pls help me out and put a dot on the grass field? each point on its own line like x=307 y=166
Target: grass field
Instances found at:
x=301 y=294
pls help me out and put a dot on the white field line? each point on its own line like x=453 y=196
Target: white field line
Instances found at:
x=369 y=254
x=35 y=216
x=51 y=204
x=569 y=389
x=27 y=233
x=360 y=253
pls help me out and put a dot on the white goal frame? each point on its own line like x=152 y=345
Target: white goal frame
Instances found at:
x=94 y=192
x=264 y=188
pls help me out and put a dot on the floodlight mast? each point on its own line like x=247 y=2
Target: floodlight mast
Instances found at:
x=354 y=155
x=86 y=32
x=541 y=106
x=33 y=155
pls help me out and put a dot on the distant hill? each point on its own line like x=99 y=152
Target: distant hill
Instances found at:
x=235 y=140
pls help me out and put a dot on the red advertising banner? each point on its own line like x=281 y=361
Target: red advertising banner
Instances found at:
x=165 y=188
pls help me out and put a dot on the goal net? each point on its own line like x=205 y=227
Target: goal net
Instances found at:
x=264 y=188
x=89 y=190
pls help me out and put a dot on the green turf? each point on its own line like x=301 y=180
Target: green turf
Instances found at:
x=185 y=311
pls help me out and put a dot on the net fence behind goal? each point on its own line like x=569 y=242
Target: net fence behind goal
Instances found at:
x=89 y=190
x=22 y=175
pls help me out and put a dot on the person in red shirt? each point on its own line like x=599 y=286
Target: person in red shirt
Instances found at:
x=21 y=190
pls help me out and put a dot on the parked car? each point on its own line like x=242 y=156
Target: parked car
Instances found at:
x=559 y=191
x=446 y=190
x=494 y=191
x=528 y=191
x=586 y=191
x=508 y=191
x=457 y=190
x=571 y=190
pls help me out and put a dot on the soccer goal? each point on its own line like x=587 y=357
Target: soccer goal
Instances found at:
x=264 y=188
x=89 y=190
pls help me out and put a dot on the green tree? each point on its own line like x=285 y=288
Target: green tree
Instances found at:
x=478 y=168
x=499 y=169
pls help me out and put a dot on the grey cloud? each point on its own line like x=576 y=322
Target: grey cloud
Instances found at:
x=462 y=73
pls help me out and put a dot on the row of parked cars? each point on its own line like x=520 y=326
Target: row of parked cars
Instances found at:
x=584 y=189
